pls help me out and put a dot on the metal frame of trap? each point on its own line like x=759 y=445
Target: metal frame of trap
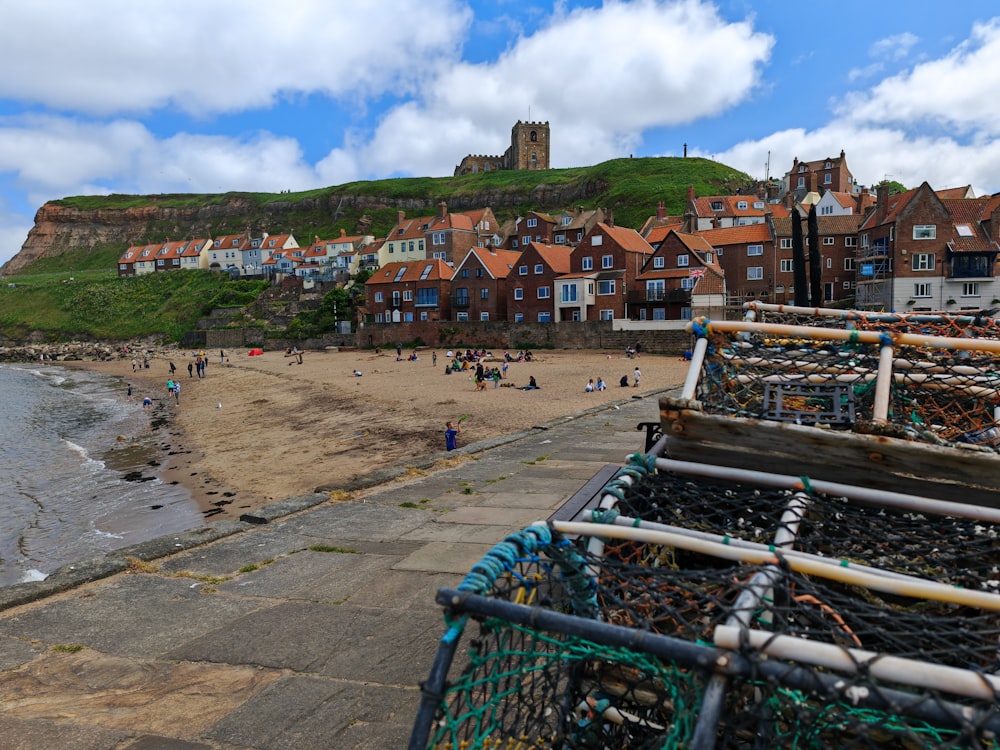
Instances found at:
x=790 y=661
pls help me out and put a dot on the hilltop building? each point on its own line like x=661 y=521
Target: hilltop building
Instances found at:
x=529 y=149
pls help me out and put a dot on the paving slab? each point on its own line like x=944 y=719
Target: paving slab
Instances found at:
x=226 y=557
x=18 y=734
x=461 y=532
x=129 y=615
x=514 y=500
x=305 y=712
x=353 y=520
x=519 y=517
x=446 y=557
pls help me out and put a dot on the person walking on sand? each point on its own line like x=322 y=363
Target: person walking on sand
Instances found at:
x=173 y=369
x=451 y=431
x=190 y=370
x=177 y=391
x=434 y=359
x=129 y=392
x=636 y=375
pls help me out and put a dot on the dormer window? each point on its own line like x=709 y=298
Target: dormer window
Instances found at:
x=741 y=205
x=567 y=220
x=828 y=165
x=236 y=243
x=802 y=168
x=716 y=205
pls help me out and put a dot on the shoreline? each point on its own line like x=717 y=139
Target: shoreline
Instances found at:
x=262 y=429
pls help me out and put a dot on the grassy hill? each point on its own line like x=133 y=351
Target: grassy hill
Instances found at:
x=97 y=304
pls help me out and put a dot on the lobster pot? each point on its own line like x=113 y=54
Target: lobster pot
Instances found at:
x=707 y=611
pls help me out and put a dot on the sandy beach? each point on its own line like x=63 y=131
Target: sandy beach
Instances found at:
x=264 y=428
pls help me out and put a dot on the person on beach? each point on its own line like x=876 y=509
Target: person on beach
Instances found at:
x=434 y=359
x=190 y=370
x=135 y=364
x=636 y=375
x=129 y=397
x=173 y=369
x=451 y=431
x=147 y=403
x=177 y=391
x=589 y=388
x=601 y=385
x=222 y=357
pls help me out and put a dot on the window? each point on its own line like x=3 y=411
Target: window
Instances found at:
x=850 y=241
x=786 y=265
x=759 y=205
x=484 y=293
x=526 y=240
x=378 y=317
x=539 y=269
x=687 y=284
x=518 y=293
x=826 y=210
x=484 y=316
x=544 y=317
x=923 y=261
x=532 y=222
x=522 y=270
x=802 y=182
x=427 y=297
x=755 y=250
x=659 y=262
x=395 y=299
x=407 y=295
x=587 y=263
x=607 y=314
x=379 y=297
x=964 y=230
x=560 y=239
x=437 y=238
x=479 y=273
x=659 y=313
x=606 y=287
x=513 y=243
x=544 y=292
x=683 y=261
x=848 y=264
x=597 y=240
x=439 y=256
x=462 y=316
x=755 y=273
x=847 y=285
x=407 y=317
x=465 y=273
x=423 y=315
x=741 y=205
x=716 y=205
x=864 y=240
x=399 y=274
x=827 y=178
x=579 y=236
x=122 y=266
x=786 y=243
x=828 y=240
x=567 y=293
x=924 y=231
x=427 y=271
x=829 y=262
x=518 y=317
x=567 y=220
x=970 y=289
x=607 y=261
x=922 y=289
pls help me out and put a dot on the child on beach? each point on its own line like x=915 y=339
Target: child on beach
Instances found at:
x=451 y=431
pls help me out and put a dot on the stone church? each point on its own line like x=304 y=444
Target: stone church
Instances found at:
x=529 y=149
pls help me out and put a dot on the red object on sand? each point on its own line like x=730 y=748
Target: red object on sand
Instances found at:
x=255 y=352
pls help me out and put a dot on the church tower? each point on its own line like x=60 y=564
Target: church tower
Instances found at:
x=529 y=146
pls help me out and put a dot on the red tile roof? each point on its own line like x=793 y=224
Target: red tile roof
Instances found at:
x=749 y=233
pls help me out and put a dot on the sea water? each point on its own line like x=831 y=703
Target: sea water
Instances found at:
x=78 y=471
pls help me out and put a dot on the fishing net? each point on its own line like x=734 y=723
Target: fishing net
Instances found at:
x=655 y=626
x=937 y=395
x=975 y=324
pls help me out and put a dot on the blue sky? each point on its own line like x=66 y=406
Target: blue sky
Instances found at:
x=206 y=96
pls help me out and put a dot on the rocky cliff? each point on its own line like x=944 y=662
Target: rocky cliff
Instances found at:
x=59 y=228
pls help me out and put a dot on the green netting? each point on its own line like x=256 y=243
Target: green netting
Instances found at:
x=544 y=672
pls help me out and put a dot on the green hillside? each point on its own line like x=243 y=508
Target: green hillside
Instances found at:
x=98 y=304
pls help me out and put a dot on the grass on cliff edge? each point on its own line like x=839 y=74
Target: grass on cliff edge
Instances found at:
x=100 y=305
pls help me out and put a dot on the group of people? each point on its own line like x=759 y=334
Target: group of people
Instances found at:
x=591 y=386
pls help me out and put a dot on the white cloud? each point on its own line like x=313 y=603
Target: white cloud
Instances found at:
x=955 y=93
x=118 y=56
x=894 y=47
x=599 y=76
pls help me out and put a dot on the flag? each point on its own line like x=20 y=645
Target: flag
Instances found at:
x=696 y=273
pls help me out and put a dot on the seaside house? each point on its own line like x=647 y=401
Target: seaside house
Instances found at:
x=194 y=255
x=609 y=257
x=168 y=256
x=746 y=255
x=838 y=237
x=723 y=211
x=663 y=289
x=831 y=173
x=145 y=261
x=531 y=287
x=226 y=251
x=407 y=292
x=920 y=251
x=479 y=284
x=126 y=263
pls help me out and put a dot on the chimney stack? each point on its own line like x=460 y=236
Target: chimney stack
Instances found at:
x=610 y=220
x=661 y=211
x=400 y=215
x=442 y=209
